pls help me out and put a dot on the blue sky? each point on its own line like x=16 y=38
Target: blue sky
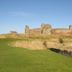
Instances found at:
x=15 y=14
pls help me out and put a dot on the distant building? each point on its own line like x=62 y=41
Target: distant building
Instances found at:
x=46 y=29
x=13 y=32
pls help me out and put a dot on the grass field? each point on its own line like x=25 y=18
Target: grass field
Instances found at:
x=14 y=59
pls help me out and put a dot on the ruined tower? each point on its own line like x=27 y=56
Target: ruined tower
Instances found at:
x=70 y=27
x=46 y=29
x=27 y=30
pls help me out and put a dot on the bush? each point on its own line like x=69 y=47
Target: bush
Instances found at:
x=61 y=40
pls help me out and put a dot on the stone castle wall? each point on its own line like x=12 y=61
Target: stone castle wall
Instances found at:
x=46 y=29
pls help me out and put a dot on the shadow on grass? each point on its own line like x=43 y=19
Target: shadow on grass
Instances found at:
x=63 y=52
x=58 y=50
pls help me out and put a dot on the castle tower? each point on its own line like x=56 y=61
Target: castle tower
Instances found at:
x=27 y=30
x=70 y=27
x=46 y=29
x=42 y=26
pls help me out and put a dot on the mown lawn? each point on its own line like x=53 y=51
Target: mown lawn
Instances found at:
x=14 y=59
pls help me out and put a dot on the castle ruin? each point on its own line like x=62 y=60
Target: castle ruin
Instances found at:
x=46 y=29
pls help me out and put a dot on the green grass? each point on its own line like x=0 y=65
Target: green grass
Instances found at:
x=14 y=59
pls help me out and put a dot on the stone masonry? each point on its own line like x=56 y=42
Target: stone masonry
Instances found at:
x=46 y=29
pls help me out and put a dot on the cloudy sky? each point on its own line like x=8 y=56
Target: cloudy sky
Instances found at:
x=15 y=14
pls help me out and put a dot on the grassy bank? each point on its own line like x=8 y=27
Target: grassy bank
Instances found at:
x=21 y=60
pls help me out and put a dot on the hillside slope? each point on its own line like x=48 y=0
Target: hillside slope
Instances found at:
x=13 y=59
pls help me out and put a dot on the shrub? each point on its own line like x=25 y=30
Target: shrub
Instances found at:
x=61 y=40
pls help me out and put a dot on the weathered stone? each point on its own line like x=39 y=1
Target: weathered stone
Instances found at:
x=46 y=29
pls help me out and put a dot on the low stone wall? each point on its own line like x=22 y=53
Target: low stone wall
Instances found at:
x=33 y=45
x=41 y=45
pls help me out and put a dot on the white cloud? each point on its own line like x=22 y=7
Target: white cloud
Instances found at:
x=20 y=13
